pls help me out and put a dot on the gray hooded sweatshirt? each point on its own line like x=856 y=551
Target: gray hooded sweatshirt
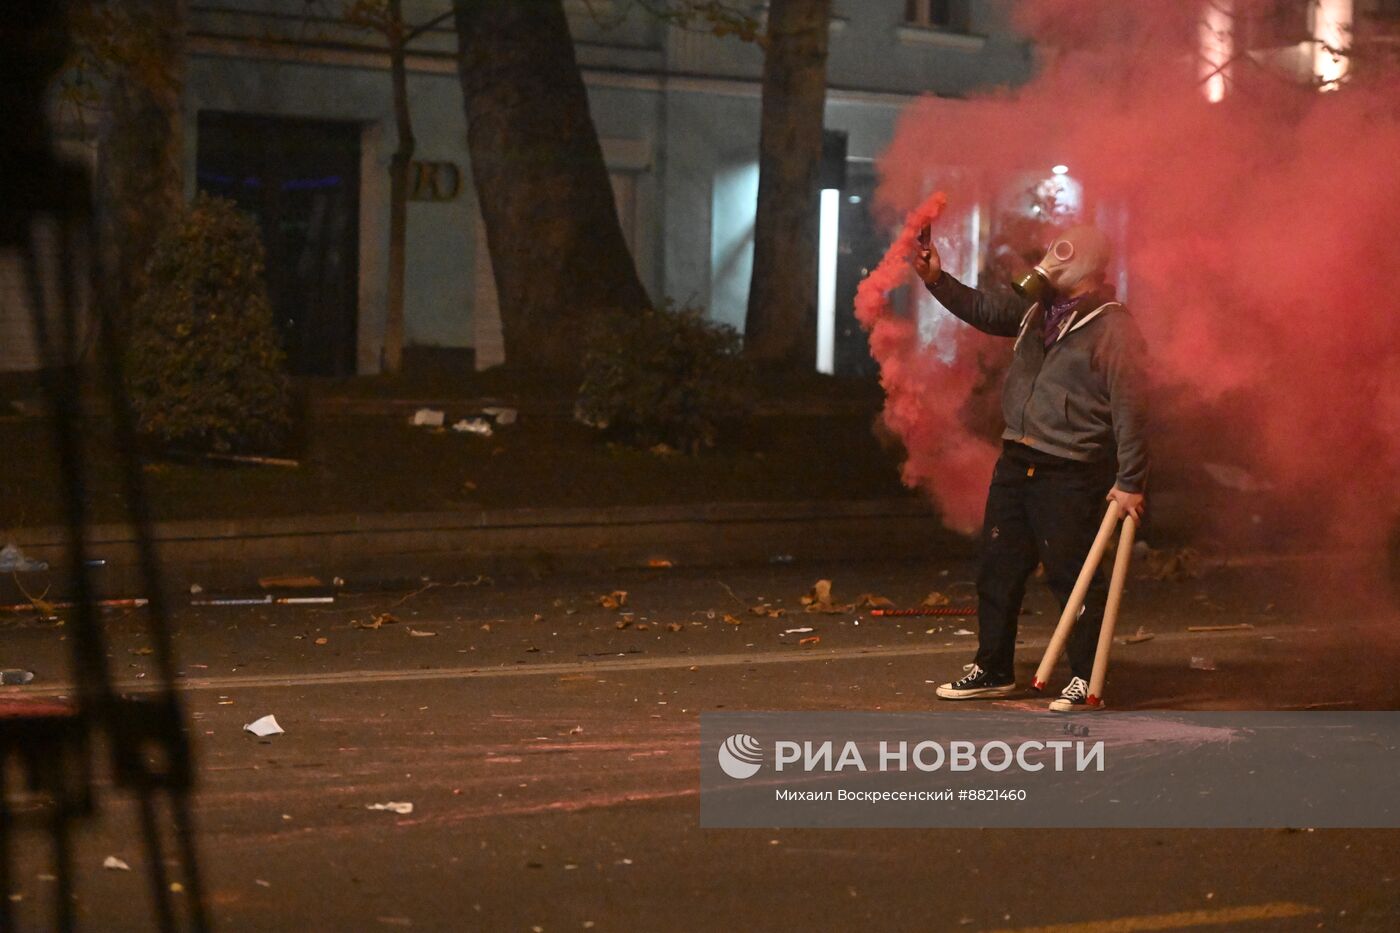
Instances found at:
x=1084 y=397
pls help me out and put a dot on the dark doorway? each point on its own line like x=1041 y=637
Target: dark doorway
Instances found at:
x=301 y=180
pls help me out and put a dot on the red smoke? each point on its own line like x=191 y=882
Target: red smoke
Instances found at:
x=924 y=394
x=1260 y=235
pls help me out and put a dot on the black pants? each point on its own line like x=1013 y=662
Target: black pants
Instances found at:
x=1040 y=509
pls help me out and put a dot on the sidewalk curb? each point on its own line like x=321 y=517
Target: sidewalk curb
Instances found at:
x=503 y=541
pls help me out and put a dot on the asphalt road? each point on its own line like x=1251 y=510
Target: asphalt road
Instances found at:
x=549 y=748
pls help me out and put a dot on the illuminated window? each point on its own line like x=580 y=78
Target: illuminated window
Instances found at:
x=951 y=15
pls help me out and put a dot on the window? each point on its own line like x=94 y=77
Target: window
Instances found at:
x=1274 y=23
x=951 y=15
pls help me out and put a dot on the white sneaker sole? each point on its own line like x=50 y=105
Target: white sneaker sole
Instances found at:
x=1064 y=706
x=947 y=692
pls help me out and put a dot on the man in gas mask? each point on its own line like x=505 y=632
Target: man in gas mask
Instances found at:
x=1075 y=434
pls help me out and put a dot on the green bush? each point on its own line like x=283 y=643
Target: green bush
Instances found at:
x=663 y=376
x=205 y=367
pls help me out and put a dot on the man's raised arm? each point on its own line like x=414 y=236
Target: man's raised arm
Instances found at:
x=998 y=316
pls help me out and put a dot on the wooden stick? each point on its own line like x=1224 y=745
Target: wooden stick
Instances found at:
x=1076 y=597
x=1110 y=611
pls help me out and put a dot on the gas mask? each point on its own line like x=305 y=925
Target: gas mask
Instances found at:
x=1075 y=255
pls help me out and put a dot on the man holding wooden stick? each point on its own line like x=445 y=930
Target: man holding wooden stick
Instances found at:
x=1076 y=434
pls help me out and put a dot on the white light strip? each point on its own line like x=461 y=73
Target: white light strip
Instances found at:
x=826 y=279
x=1332 y=32
x=1217 y=48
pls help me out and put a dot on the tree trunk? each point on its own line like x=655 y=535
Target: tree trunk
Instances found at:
x=780 y=326
x=399 y=167
x=141 y=148
x=556 y=245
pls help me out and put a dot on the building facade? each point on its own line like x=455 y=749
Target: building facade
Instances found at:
x=290 y=113
x=288 y=110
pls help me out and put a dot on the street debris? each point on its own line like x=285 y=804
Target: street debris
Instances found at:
x=252 y=460
x=794 y=631
x=13 y=560
x=112 y=863
x=1241 y=627
x=264 y=727
x=323 y=640
x=962 y=631
x=402 y=808
x=622 y=624
x=294 y=582
x=1202 y=664
x=660 y=563
x=417 y=633
x=819 y=600
x=378 y=620
x=614 y=600
x=936 y=598
x=731 y=619
x=478 y=426
x=767 y=611
x=304 y=597
x=264 y=600
x=871 y=601
x=810 y=640
x=427 y=418
x=674 y=627
x=1139 y=637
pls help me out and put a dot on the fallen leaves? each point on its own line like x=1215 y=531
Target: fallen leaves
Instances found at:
x=936 y=599
x=379 y=620
x=819 y=599
x=871 y=601
x=614 y=600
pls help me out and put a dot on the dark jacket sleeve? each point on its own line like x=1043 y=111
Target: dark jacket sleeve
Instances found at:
x=1122 y=355
x=999 y=316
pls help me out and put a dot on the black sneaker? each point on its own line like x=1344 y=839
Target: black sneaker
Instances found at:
x=1075 y=698
x=977 y=684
